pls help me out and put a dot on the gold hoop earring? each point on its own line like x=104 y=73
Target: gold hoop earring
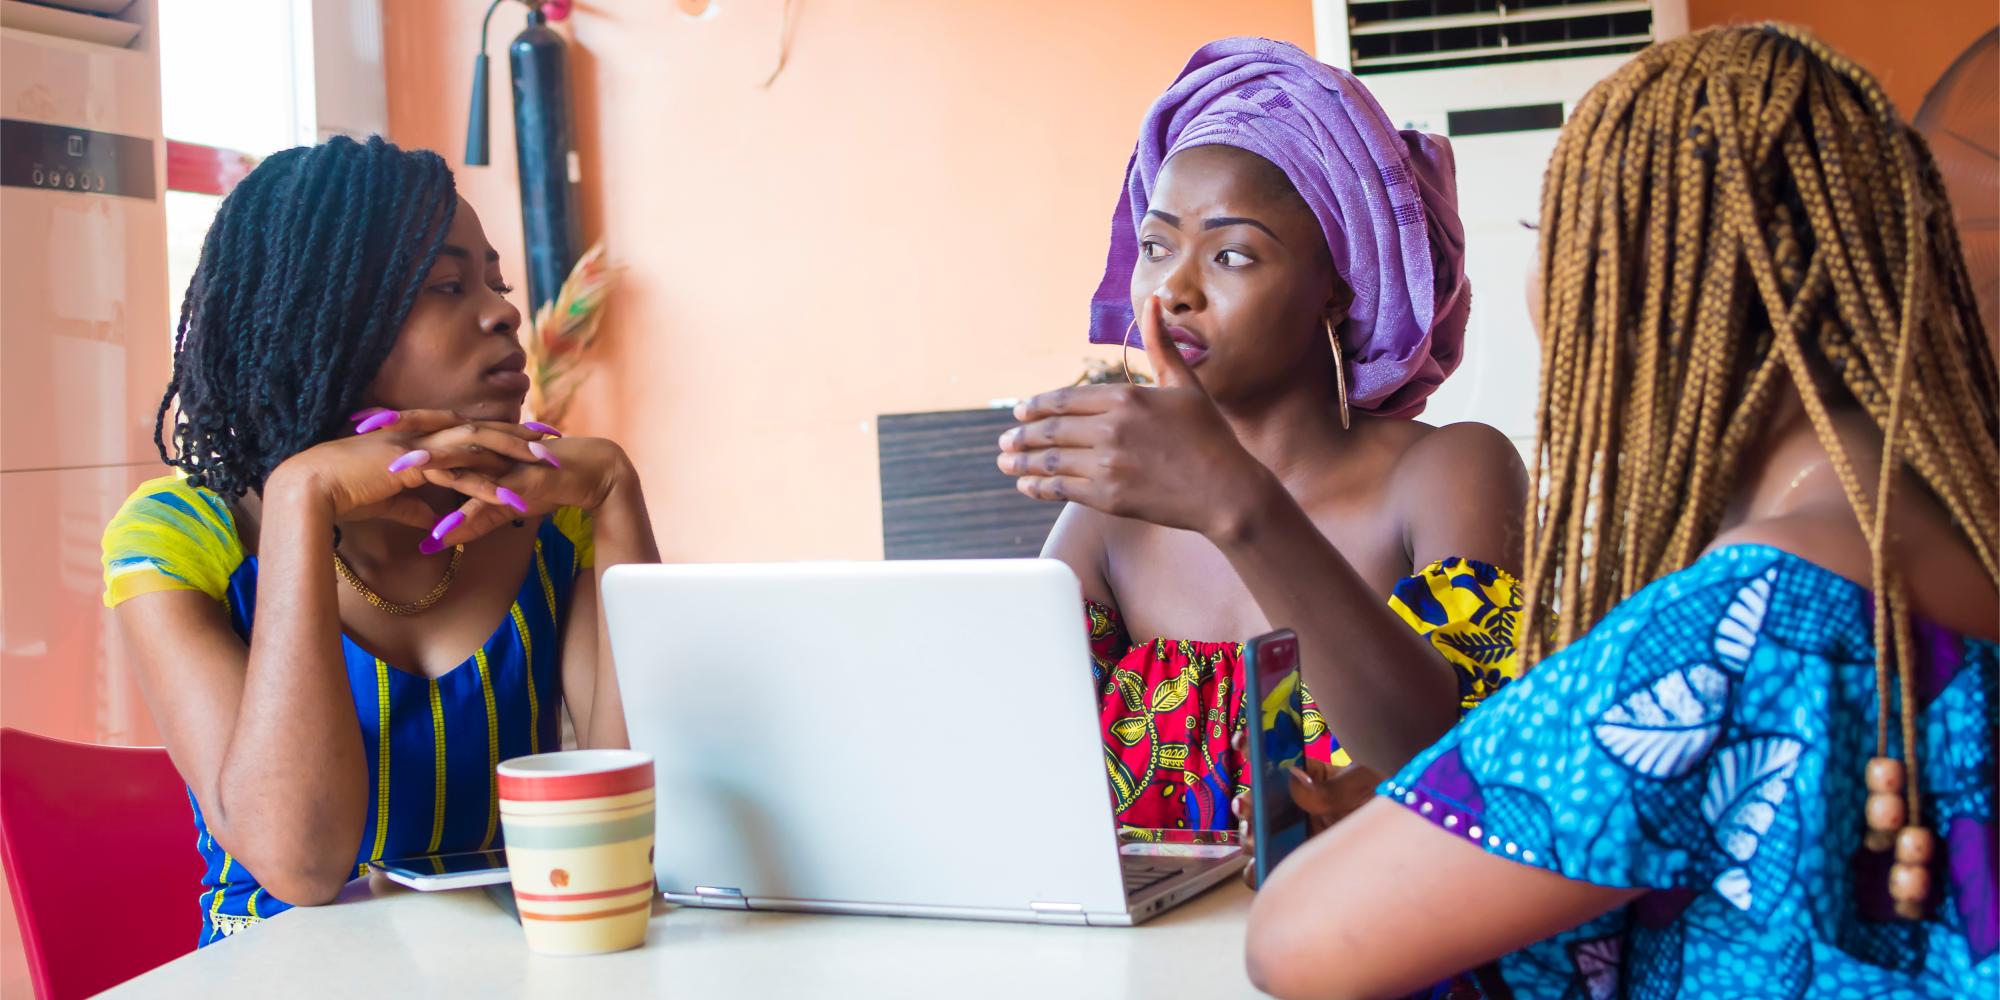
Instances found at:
x=1125 y=351
x=1339 y=370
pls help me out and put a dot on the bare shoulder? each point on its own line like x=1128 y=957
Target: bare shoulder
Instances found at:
x=1462 y=456
x=1461 y=491
x=1080 y=539
x=1078 y=523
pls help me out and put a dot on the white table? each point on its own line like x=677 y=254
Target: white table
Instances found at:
x=380 y=940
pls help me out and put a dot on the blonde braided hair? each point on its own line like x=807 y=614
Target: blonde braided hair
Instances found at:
x=1729 y=207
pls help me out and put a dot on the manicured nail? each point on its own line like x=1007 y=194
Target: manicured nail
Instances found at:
x=1300 y=773
x=364 y=414
x=430 y=546
x=450 y=521
x=410 y=460
x=542 y=452
x=378 y=421
x=542 y=428
x=511 y=499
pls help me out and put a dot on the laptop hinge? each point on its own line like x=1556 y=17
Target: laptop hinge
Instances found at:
x=1057 y=913
x=722 y=897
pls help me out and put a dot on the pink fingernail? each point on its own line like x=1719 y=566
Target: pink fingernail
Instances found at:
x=450 y=521
x=410 y=460
x=378 y=421
x=511 y=499
x=542 y=452
x=364 y=414
x=430 y=546
x=542 y=428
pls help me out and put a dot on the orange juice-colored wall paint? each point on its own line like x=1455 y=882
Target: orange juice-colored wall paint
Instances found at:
x=1907 y=46
x=911 y=217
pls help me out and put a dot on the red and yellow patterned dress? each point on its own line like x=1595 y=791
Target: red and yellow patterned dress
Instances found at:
x=1169 y=708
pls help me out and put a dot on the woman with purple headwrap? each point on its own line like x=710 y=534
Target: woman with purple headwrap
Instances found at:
x=1292 y=264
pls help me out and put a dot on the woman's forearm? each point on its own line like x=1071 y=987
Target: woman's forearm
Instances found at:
x=293 y=787
x=623 y=530
x=623 y=533
x=1385 y=693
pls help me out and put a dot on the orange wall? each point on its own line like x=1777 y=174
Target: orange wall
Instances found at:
x=1906 y=45
x=911 y=217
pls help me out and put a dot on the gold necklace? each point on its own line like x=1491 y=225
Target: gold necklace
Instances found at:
x=385 y=605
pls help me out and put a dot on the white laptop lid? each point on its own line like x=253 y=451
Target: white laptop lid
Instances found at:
x=918 y=733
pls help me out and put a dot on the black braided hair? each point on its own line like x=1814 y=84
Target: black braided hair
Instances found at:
x=305 y=278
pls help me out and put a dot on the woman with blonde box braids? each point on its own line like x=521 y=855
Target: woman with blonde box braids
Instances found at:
x=1757 y=756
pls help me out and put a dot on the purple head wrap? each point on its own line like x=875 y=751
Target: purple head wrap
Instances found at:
x=1387 y=201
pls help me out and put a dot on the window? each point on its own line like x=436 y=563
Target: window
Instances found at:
x=236 y=85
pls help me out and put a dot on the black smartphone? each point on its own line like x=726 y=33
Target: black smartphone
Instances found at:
x=1274 y=713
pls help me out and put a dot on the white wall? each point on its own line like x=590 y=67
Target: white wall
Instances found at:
x=1499 y=187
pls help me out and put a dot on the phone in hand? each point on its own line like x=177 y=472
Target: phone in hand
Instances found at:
x=1274 y=713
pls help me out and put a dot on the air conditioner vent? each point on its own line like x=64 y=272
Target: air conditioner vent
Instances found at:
x=1395 y=36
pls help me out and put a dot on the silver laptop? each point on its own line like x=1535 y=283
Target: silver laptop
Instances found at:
x=902 y=738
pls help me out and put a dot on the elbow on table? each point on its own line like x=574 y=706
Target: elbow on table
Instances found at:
x=1276 y=971
x=1289 y=961
x=291 y=853
x=296 y=874
x=301 y=883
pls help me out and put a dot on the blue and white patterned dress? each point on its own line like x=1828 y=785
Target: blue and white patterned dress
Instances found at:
x=1707 y=741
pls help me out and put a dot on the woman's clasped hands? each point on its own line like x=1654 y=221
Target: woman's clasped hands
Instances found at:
x=504 y=471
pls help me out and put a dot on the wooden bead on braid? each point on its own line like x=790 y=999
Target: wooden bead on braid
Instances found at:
x=1915 y=846
x=1910 y=877
x=1885 y=775
x=1886 y=815
x=1910 y=888
x=1885 y=810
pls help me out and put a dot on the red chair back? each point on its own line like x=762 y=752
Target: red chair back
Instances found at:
x=99 y=847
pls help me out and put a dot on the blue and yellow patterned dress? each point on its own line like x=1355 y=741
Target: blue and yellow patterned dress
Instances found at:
x=1707 y=741
x=433 y=744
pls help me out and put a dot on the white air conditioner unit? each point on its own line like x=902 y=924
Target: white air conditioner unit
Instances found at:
x=1498 y=78
x=85 y=346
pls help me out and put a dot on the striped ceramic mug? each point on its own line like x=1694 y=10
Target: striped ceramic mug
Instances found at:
x=579 y=828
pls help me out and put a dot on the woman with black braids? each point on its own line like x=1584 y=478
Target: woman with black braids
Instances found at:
x=1759 y=757
x=420 y=566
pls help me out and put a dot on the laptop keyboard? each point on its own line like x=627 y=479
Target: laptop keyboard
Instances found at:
x=1140 y=876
